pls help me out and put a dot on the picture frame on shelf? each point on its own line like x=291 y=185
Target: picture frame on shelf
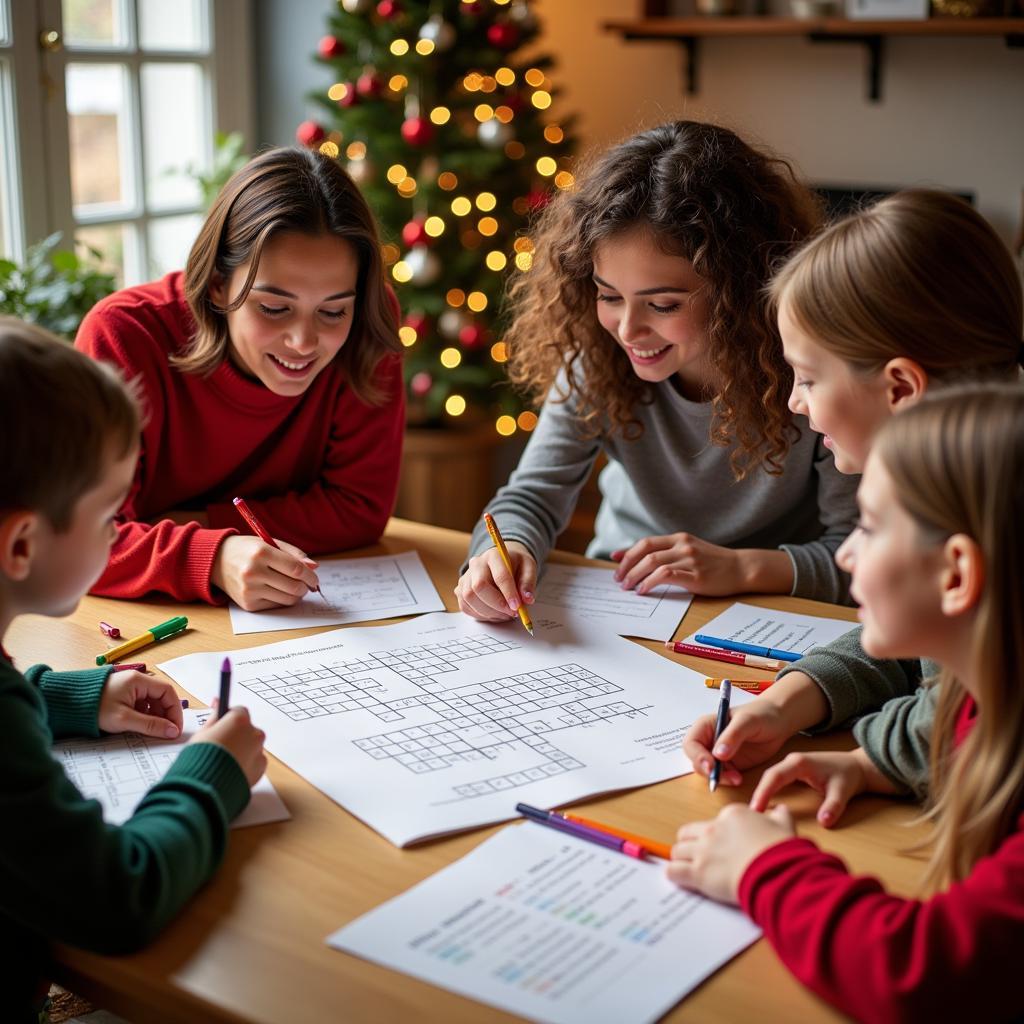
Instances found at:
x=895 y=10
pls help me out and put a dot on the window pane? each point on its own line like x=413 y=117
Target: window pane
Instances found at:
x=97 y=101
x=175 y=132
x=170 y=239
x=90 y=23
x=173 y=25
x=5 y=24
x=7 y=165
x=111 y=245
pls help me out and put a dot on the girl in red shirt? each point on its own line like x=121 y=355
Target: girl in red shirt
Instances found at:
x=937 y=563
x=268 y=369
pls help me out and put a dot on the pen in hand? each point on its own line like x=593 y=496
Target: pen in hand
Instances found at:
x=720 y=724
x=224 y=698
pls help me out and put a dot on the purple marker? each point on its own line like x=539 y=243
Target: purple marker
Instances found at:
x=225 y=687
x=549 y=818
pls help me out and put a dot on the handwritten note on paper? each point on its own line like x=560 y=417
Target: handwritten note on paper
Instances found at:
x=765 y=627
x=354 y=590
x=119 y=769
x=588 y=597
x=554 y=929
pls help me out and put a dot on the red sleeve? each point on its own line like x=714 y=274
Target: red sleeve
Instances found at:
x=350 y=504
x=881 y=958
x=174 y=560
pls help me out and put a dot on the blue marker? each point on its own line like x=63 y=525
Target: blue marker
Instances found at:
x=735 y=645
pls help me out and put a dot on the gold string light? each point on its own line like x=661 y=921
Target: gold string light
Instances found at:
x=455 y=405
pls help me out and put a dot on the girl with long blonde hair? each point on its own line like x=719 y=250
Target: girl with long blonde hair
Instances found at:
x=643 y=329
x=915 y=292
x=937 y=564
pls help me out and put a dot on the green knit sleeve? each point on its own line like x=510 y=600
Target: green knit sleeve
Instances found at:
x=72 y=699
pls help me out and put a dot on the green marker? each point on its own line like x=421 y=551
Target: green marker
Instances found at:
x=151 y=636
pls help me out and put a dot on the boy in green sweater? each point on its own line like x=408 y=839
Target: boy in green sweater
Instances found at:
x=69 y=434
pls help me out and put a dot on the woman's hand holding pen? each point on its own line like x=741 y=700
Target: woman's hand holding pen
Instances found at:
x=135 y=702
x=710 y=857
x=837 y=775
x=486 y=591
x=256 y=575
x=235 y=732
x=702 y=567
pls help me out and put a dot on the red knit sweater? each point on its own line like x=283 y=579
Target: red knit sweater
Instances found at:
x=881 y=958
x=320 y=470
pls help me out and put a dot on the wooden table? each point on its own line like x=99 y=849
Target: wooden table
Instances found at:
x=251 y=945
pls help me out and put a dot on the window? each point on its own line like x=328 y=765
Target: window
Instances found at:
x=132 y=92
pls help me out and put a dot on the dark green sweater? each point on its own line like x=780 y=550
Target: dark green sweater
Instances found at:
x=65 y=875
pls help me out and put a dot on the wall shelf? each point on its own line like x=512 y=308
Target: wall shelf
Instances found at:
x=869 y=34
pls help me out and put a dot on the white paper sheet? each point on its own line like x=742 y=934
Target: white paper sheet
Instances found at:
x=589 y=596
x=554 y=929
x=783 y=631
x=118 y=770
x=443 y=723
x=354 y=590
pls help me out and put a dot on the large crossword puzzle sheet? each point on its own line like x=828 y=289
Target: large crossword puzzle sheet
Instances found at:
x=443 y=723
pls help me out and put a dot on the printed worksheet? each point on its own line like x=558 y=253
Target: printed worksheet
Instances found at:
x=443 y=723
x=118 y=770
x=554 y=929
x=588 y=597
x=765 y=627
x=353 y=590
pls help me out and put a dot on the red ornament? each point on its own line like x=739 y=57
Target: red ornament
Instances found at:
x=414 y=233
x=350 y=97
x=309 y=133
x=503 y=35
x=515 y=102
x=370 y=84
x=330 y=47
x=418 y=321
x=537 y=199
x=421 y=384
x=472 y=336
x=472 y=8
x=389 y=9
x=417 y=131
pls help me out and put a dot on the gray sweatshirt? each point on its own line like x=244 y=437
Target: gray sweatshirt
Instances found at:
x=673 y=479
x=897 y=735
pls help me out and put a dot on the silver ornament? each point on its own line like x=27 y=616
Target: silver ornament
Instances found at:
x=362 y=172
x=493 y=134
x=450 y=322
x=357 y=6
x=439 y=32
x=424 y=265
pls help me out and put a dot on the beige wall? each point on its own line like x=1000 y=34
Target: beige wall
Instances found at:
x=952 y=110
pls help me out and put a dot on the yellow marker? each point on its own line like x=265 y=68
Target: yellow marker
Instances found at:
x=492 y=529
x=151 y=636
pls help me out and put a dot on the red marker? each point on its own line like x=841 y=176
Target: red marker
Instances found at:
x=732 y=657
x=108 y=630
x=259 y=529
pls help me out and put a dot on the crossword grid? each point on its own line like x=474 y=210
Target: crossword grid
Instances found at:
x=475 y=722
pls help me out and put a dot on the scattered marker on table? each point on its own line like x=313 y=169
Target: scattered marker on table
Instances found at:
x=184 y=702
x=108 y=630
x=131 y=666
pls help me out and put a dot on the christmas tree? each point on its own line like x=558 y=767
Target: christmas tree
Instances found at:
x=452 y=139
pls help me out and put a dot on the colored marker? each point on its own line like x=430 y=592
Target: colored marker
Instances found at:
x=108 y=630
x=720 y=723
x=259 y=529
x=650 y=846
x=717 y=654
x=130 y=666
x=742 y=648
x=752 y=685
x=499 y=543
x=592 y=835
x=225 y=687
x=184 y=702
x=161 y=632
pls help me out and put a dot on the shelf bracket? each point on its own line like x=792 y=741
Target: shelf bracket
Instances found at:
x=872 y=44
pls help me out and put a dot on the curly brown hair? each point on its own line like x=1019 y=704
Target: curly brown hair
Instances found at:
x=706 y=195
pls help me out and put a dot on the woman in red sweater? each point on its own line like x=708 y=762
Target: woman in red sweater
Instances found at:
x=937 y=563
x=268 y=369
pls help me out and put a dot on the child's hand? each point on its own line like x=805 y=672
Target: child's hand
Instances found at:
x=711 y=856
x=838 y=775
x=682 y=560
x=257 y=576
x=487 y=592
x=756 y=731
x=240 y=738
x=134 y=702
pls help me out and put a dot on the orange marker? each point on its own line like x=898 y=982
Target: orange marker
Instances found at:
x=752 y=685
x=662 y=850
